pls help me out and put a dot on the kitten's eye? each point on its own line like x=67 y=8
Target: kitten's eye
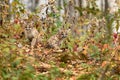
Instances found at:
x=62 y=33
x=25 y=27
x=28 y=28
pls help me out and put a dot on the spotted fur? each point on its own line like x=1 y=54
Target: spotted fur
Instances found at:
x=56 y=40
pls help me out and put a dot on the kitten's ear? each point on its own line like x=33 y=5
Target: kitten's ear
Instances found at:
x=32 y=23
x=23 y=23
x=63 y=27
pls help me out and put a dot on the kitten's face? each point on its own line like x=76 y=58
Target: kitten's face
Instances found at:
x=63 y=34
x=29 y=27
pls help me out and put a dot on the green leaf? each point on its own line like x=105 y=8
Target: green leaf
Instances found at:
x=14 y=78
x=13 y=47
x=6 y=50
x=5 y=35
x=117 y=26
x=3 y=45
x=16 y=62
x=12 y=40
x=42 y=77
x=80 y=10
x=58 y=23
x=17 y=26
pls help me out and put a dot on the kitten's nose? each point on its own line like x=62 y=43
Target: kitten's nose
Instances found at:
x=28 y=28
x=64 y=35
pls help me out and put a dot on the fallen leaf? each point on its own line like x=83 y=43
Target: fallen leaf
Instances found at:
x=104 y=63
x=73 y=78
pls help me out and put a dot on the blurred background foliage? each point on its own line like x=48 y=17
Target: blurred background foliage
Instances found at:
x=91 y=50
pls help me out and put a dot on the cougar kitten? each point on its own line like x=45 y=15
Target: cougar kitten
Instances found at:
x=56 y=40
x=32 y=34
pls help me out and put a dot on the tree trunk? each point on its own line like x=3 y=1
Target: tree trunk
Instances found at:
x=102 y=6
x=106 y=6
x=1 y=13
x=59 y=3
x=80 y=3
